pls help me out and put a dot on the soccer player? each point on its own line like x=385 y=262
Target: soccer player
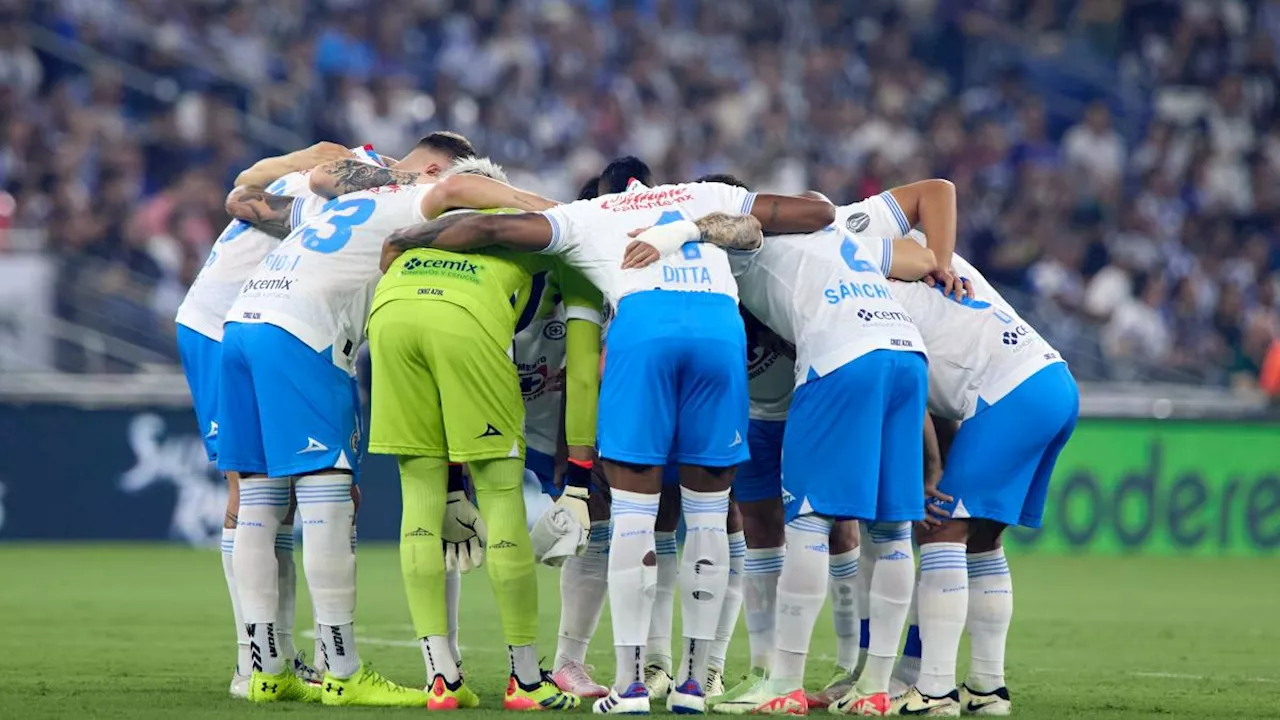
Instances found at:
x=674 y=386
x=287 y=410
x=1017 y=404
x=860 y=372
x=445 y=389
x=232 y=259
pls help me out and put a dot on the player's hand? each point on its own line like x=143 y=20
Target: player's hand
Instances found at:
x=323 y=152
x=639 y=254
x=935 y=514
x=464 y=533
x=556 y=381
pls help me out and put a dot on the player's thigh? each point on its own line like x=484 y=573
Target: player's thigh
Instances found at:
x=240 y=447
x=901 y=493
x=1060 y=398
x=830 y=448
x=202 y=364
x=638 y=400
x=405 y=416
x=991 y=468
x=760 y=477
x=714 y=405
x=480 y=399
x=306 y=403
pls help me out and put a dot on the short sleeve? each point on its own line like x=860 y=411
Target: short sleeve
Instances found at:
x=709 y=197
x=879 y=251
x=877 y=216
x=560 y=227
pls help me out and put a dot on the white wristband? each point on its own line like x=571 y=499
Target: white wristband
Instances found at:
x=669 y=238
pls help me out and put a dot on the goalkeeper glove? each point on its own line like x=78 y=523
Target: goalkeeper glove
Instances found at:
x=464 y=533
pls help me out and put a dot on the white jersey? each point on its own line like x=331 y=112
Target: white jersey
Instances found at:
x=771 y=379
x=826 y=293
x=539 y=356
x=592 y=236
x=878 y=216
x=979 y=349
x=233 y=259
x=235 y=256
x=317 y=284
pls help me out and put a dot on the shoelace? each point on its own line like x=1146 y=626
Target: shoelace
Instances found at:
x=580 y=674
x=377 y=680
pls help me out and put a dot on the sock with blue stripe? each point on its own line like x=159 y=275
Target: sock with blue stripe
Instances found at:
x=584 y=582
x=327 y=514
x=943 y=604
x=633 y=579
x=658 y=645
x=229 y=573
x=761 y=569
x=287 y=577
x=844 y=607
x=264 y=502
x=990 y=612
x=802 y=591
x=891 y=586
x=732 y=600
x=704 y=577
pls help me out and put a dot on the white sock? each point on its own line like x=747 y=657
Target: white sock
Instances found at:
x=584 y=582
x=704 y=577
x=327 y=513
x=866 y=568
x=632 y=584
x=287 y=576
x=907 y=670
x=452 y=599
x=802 y=590
x=263 y=505
x=990 y=612
x=524 y=664
x=321 y=662
x=943 y=603
x=439 y=658
x=760 y=598
x=229 y=573
x=891 y=588
x=732 y=601
x=844 y=608
x=658 y=644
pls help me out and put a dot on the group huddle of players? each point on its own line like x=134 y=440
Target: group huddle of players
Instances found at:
x=800 y=382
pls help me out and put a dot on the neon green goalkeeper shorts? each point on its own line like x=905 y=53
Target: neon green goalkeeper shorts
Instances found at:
x=441 y=386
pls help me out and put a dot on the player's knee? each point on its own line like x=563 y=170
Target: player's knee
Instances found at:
x=707 y=479
x=984 y=536
x=950 y=531
x=844 y=536
x=763 y=522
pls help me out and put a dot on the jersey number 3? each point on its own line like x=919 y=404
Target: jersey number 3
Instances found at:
x=341 y=217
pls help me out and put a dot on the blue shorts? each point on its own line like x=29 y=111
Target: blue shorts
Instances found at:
x=854 y=443
x=543 y=466
x=760 y=478
x=1001 y=460
x=283 y=408
x=675 y=381
x=202 y=364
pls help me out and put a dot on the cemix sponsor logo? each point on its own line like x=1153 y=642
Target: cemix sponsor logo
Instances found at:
x=414 y=266
x=867 y=316
x=282 y=284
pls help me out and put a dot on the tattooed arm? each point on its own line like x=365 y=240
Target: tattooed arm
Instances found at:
x=268 y=170
x=349 y=175
x=732 y=232
x=468 y=231
x=265 y=211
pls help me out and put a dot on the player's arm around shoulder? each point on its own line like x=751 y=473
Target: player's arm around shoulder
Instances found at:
x=931 y=204
x=348 y=175
x=908 y=260
x=268 y=170
x=792 y=214
x=268 y=212
x=526 y=232
x=476 y=192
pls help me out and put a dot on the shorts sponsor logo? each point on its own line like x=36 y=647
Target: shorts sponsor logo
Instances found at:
x=555 y=330
x=857 y=222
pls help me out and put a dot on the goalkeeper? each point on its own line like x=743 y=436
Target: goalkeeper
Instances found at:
x=445 y=390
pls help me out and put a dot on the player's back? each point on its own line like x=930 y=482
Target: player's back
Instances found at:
x=592 y=236
x=318 y=283
x=827 y=294
x=979 y=348
x=234 y=258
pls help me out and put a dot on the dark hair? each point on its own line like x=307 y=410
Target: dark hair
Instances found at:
x=724 y=178
x=618 y=173
x=588 y=191
x=450 y=143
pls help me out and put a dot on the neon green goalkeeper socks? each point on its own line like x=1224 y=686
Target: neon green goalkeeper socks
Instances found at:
x=423 y=486
x=509 y=556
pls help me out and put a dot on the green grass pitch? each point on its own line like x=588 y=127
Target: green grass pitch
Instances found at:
x=144 y=631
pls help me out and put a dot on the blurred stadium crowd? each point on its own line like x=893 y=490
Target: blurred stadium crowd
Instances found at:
x=1118 y=162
